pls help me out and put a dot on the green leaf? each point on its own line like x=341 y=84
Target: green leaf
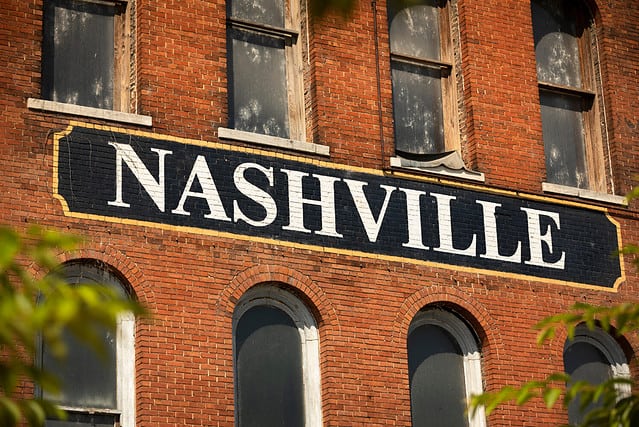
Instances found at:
x=550 y=396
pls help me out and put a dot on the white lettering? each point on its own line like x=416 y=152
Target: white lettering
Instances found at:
x=209 y=192
x=536 y=239
x=254 y=193
x=446 y=228
x=490 y=235
x=371 y=225
x=296 y=201
x=414 y=218
x=154 y=188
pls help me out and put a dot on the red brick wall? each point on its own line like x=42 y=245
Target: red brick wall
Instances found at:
x=190 y=282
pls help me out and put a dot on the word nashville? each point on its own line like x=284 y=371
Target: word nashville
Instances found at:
x=243 y=193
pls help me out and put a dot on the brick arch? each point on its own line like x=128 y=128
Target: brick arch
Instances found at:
x=123 y=265
x=472 y=311
x=305 y=288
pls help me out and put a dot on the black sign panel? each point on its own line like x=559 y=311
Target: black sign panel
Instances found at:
x=154 y=179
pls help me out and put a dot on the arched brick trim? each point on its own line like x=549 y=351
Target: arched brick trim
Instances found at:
x=128 y=270
x=300 y=284
x=454 y=299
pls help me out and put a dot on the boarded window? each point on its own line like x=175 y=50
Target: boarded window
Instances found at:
x=571 y=132
x=79 y=52
x=423 y=86
x=268 y=357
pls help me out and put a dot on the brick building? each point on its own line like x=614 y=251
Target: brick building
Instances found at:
x=334 y=221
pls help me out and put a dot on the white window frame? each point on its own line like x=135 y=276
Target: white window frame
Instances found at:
x=273 y=296
x=125 y=368
x=611 y=350
x=471 y=354
x=594 y=140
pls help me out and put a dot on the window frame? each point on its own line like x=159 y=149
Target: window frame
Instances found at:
x=123 y=55
x=273 y=296
x=292 y=35
x=589 y=92
x=469 y=346
x=610 y=348
x=448 y=79
x=125 y=412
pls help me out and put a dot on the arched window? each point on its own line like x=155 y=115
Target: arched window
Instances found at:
x=444 y=365
x=97 y=390
x=565 y=45
x=593 y=356
x=276 y=355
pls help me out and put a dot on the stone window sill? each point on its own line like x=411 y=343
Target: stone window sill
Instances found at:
x=583 y=194
x=273 y=141
x=95 y=113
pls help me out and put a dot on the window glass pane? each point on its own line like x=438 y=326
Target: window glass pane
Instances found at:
x=563 y=133
x=268 y=12
x=417 y=107
x=84 y=420
x=269 y=369
x=585 y=362
x=259 y=94
x=556 y=43
x=414 y=31
x=77 y=57
x=437 y=385
x=89 y=379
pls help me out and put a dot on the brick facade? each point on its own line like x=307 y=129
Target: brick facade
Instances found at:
x=191 y=280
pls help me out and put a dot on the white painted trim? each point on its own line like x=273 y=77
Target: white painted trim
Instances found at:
x=309 y=339
x=470 y=353
x=610 y=348
x=272 y=141
x=565 y=190
x=96 y=113
x=125 y=365
x=400 y=162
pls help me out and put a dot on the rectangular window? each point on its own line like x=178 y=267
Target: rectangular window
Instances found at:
x=86 y=53
x=564 y=37
x=424 y=94
x=265 y=73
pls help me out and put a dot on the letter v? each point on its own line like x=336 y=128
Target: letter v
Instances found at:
x=371 y=225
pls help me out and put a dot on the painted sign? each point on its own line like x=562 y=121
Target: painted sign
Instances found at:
x=204 y=187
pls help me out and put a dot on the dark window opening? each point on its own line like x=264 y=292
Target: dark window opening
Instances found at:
x=268 y=357
x=437 y=383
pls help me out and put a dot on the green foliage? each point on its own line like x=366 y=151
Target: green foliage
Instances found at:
x=610 y=411
x=42 y=308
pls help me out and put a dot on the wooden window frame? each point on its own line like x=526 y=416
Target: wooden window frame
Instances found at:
x=448 y=81
x=589 y=94
x=123 y=55
x=293 y=57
